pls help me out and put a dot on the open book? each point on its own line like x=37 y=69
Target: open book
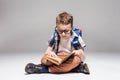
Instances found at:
x=58 y=60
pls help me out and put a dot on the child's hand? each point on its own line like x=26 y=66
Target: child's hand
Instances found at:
x=79 y=53
x=76 y=52
x=51 y=54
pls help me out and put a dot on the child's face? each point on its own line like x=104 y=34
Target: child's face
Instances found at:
x=64 y=30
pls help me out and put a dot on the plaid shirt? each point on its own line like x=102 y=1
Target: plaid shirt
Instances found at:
x=76 y=42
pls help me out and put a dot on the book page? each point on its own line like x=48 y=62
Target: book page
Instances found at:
x=58 y=60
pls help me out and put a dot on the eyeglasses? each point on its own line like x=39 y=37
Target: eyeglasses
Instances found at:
x=65 y=31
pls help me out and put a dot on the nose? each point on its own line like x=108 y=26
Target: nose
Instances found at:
x=63 y=34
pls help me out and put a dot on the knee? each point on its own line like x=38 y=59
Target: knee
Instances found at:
x=77 y=60
x=44 y=61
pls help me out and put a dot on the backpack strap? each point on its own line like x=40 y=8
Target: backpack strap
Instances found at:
x=56 y=39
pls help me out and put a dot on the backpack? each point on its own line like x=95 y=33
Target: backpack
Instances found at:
x=77 y=41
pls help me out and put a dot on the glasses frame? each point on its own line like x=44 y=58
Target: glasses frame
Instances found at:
x=65 y=31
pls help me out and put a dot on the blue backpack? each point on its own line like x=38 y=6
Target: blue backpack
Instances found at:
x=76 y=43
x=78 y=31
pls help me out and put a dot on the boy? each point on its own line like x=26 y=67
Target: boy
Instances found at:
x=65 y=40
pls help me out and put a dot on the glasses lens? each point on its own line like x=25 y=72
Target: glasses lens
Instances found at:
x=65 y=31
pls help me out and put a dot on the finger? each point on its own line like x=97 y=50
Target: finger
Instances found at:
x=73 y=52
x=49 y=55
x=54 y=55
x=77 y=53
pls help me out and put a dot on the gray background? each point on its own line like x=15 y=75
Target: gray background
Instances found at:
x=26 y=25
